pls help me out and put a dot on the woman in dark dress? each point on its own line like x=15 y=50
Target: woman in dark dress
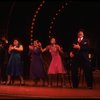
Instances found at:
x=37 y=70
x=14 y=67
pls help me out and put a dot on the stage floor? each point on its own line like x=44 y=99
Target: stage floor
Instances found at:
x=29 y=91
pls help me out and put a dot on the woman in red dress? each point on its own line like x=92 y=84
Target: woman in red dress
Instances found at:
x=56 y=66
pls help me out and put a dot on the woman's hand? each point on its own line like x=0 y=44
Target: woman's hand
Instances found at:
x=76 y=46
x=30 y=47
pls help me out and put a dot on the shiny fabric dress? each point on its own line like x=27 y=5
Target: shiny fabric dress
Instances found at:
x=14 y=67
x=37 y=70
x=56 y=65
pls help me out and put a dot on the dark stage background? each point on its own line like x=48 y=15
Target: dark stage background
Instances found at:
x=16 y=18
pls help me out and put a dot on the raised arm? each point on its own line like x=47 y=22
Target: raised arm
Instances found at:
x=10 y=49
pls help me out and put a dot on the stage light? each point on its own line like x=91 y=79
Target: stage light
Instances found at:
x=66 y=3
x=36 y=12
x=49 y=36
x=59 y=10
x=31 y=31
x=56 y=14
x=39 y=8
x=49 y=31
x=43 y=1
x=54 y=18
x=52 y=22
x=32 y=23
x=31 y=35
x=31 y=39
x=62 y=7
x=34 y=15
x=41 y=5
x=33 y=19
x=50 y=27
x=31 y=27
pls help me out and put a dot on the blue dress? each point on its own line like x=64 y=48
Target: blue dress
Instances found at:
x=37 y=70
x=14 y=67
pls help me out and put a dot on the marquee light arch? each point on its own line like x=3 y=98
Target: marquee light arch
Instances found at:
x=34 y=19
x=54 y=18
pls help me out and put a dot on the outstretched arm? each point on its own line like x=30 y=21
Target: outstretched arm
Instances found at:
x=43 y=50
x=10 y=49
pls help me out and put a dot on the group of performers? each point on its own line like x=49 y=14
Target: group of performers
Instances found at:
x=78 y=55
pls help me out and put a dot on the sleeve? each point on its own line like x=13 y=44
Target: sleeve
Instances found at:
x=85 y=46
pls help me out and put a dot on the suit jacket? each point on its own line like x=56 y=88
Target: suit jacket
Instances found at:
x=84 y=49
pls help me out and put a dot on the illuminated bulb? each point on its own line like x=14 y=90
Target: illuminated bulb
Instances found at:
x=32 y=23
x=66 y=3
x=31 y=35
x=56 y=14
x=36 y=12
x=31 y=27
x=50 y=27
x=31 y=31
x=62 y=6
x=34 y=15
x=31 y=39
x=54 y=18
x=49 y=36
x=43 y=1
x=39 y=8
x=41 y=5
x=49 y=31
x=51 y=22
x=33 y=19
x=59 y=10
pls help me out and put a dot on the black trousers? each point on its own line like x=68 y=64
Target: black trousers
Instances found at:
x=87 y=68
x=2 y=71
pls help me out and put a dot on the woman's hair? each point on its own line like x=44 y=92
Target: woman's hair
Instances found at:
x=53 y=38
x=81 y=30
x=19 y=43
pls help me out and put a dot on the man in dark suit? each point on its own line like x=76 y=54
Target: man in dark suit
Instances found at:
x=80 y=58
x=3 y=58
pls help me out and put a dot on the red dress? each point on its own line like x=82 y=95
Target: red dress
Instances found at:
x=56 y=65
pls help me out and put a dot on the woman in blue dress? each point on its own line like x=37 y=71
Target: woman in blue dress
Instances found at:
x=14 y=67
x=37 y=70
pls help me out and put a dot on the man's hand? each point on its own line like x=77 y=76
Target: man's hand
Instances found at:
x=76 y=46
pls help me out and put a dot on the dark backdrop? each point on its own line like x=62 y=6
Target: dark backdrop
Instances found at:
x=16 y=18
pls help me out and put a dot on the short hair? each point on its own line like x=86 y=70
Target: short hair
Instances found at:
x=81 y=30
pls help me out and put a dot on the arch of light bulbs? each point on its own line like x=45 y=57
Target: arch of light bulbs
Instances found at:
x=34 y=19
x=54 y=18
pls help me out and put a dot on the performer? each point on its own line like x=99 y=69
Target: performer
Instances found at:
x=3 y=58
x=37 y=70
x=14 y=67
x=79 y=55
x=56 y=66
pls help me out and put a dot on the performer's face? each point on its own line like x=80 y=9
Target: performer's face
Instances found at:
x=35 y=43
x=80 y=34
x=53 y=41
x=15 y=42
